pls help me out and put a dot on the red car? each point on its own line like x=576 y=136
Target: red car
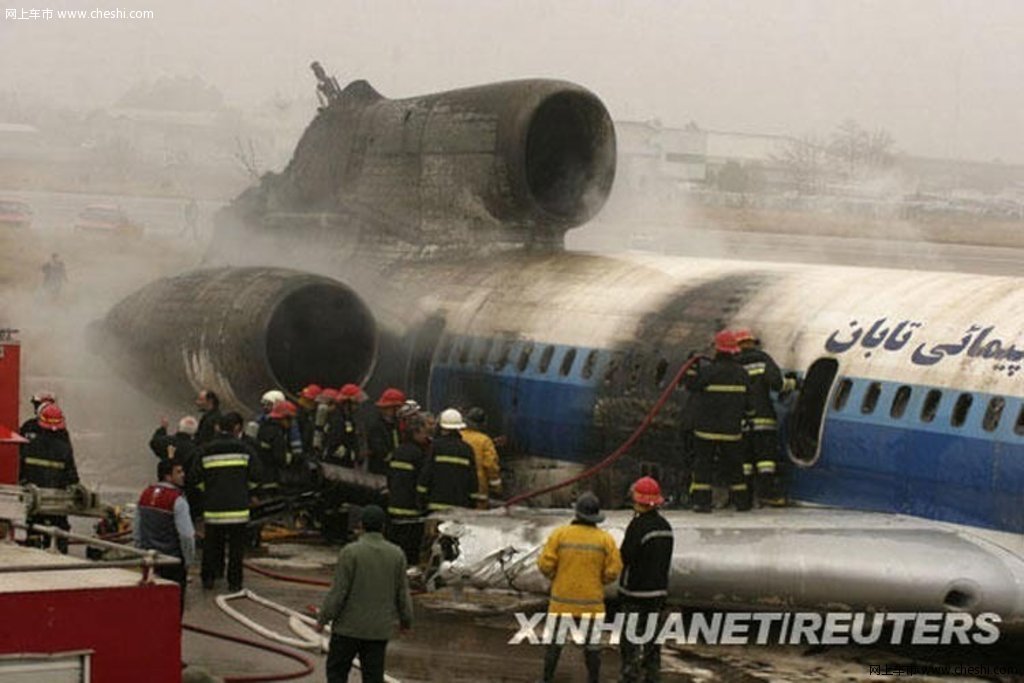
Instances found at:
x=106 y=219
x=15 y=214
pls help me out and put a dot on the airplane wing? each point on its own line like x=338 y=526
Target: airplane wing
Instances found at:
x=781 y=559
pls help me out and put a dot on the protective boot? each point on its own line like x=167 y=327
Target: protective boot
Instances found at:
x=551 y=656
x=740 y=497
x=592 y=658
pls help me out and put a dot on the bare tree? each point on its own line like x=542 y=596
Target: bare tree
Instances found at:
x=805 y=161
x=857 y=152
x=245 y=155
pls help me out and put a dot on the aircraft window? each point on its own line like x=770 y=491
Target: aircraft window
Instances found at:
x=899 y=402
x=588 y=365
x=612 y=372
x=994 y=413
x=871 y=398
x=545 y=358
x=634 y=376
x=807 y=421
x=660 y=371
x=1019 y=427
x=843 y=394
x=524 y=357
x=485 y=352
x=567 y=361
x=931 y=405
x=464 y=351
x=961 y=409
x=506 y=352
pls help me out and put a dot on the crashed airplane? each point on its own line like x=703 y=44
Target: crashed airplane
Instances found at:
x=419 y=242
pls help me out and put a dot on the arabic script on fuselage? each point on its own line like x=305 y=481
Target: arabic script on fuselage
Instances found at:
x=977 y=342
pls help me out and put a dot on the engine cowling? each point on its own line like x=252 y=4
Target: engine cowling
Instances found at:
x=240 y=332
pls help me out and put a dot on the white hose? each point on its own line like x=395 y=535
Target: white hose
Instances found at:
x=304 y=626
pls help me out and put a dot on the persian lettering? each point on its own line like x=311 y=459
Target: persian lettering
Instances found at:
x=978 y=341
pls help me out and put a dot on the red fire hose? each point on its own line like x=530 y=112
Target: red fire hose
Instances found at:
x=258 y=678
x=284 y=577
x=621 y=450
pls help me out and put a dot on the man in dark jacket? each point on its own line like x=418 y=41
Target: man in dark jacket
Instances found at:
x=272 y=444
x=208 y=404
x=30 y=427
x=368 y=595
x=721 y=395
x=382 y=433
x=226 y=470
x=48 y=462
x=643 y=585
x=763 y=435
x=163 y=523
x=449 y=477
x=178 y=446
x=406 y=525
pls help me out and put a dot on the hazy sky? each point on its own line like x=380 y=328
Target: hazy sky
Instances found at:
x=946 y=77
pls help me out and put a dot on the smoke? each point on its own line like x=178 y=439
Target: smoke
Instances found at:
x=110 y=421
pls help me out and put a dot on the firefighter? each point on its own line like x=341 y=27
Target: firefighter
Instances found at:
x=163 y=522
x=30 y=428
x=208 y=404
x=643 y=587
x=346 y=440
x=448 y=478
x=272 y=446
x=406 y=527
x=721 y=404
x=326 y=406
x=488 y=468
x=227 y=471
x=48 y=461
x=763 y=435
x=306 y=418
x=267 y=402
x=580 y=559
x=382 y=434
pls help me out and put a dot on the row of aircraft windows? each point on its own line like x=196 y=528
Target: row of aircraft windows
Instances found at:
x=930 y=407
x=462 y=352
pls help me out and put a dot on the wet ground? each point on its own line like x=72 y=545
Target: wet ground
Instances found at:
x=464 y=638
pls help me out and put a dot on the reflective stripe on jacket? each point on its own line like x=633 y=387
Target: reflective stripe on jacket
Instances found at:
x=579 y=559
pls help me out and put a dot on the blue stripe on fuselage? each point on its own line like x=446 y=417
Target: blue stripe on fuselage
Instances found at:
x=961 y=474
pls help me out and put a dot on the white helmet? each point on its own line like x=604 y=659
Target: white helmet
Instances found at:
x=451 y=419
x=271 y=397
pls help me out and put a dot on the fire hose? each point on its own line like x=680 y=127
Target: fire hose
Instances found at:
x=622 y=449
x=307 y=665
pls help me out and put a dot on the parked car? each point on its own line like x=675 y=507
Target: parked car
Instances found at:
x=15 y=214
x=106 y=219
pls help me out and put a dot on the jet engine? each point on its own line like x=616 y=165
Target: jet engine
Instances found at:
x=241 y=331
x=510 y=163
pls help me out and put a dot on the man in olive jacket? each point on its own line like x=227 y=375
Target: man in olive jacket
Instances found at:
x=370 y=592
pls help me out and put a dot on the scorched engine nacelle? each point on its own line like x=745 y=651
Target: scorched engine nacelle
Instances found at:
x=240 y=332
x=510 y=163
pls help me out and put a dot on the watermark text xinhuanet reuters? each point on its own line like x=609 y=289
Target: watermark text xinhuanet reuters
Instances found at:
x=761 y=628
x=48 y=14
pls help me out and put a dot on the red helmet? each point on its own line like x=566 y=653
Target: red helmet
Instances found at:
x=646 y=491
x=327 y=395
x=310 y=391
x=283 y=409
x=743 y=334
x=725 y=342
x=351 y=392
x=391 y=398
x=51 y=417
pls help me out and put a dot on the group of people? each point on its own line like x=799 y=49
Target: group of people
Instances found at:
x=219 y=468
x=730 y=425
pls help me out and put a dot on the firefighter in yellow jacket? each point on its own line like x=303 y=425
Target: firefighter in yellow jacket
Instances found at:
x=488 y=468
x=580 y=559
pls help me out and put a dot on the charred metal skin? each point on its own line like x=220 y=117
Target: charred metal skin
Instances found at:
x=814 y=559
x=502 y=165
x=241 y=331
